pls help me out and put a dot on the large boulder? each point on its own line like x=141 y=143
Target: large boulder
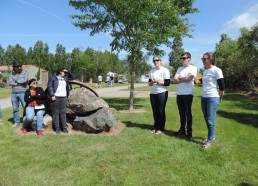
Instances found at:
x=82 y=102
x=102 y=120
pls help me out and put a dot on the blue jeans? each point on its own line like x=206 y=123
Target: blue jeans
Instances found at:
x=16 y=98
x=209 y=109
x=158 y=104
x=30 y=113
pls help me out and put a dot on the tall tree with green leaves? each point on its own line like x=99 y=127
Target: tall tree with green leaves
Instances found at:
x=174 y=56
x=135 y=24
x=40 y=56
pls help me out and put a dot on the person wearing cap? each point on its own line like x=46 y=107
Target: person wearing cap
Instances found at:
x=57 y=93
x=18 y=80
x=35 y=106
x=185 y=78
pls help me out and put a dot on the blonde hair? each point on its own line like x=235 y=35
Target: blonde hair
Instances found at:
x=162 y=63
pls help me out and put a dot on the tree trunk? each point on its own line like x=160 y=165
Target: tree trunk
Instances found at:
x=131 y=98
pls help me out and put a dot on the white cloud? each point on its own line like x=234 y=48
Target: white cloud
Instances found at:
x=246 y=19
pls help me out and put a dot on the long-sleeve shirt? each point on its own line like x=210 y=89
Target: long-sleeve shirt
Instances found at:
x=18 y=81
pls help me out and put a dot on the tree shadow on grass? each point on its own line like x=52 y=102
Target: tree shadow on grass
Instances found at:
x=243 y=118
x=122 y=103
x=240 y=101
x=166 y=132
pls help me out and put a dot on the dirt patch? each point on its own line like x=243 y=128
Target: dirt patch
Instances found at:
x=114 y=131
x=250 y=95
x=132 y=111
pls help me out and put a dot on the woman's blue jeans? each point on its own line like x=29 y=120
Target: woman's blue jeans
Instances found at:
x=30 y=113
x=16 y=98
x=209 y=109
x=158 y=104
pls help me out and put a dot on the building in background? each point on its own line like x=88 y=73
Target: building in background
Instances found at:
x=32 y=70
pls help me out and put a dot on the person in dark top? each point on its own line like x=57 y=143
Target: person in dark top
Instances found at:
x=35 y=106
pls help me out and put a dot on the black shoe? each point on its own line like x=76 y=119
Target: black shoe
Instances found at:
x=189 y=136
x=58 y=131
x=65 y=131
x=180 y=133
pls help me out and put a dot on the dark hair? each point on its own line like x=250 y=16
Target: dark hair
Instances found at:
x=59 y=70
x=31 y=80
x=211 y=56
x=187 y=54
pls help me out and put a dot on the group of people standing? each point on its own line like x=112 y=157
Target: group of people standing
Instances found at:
x=33 y=98
x=213 y=88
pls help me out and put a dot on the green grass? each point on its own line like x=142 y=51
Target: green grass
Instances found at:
x=5 y=93
x=135 y=156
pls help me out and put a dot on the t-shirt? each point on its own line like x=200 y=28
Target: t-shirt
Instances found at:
x=209 y=82
x=99 y=78
x=186 y=88
x=161 y=74
x=61 y=89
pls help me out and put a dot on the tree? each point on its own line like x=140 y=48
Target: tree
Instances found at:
x=134 y=25
x=40 y=56
x=175 y=54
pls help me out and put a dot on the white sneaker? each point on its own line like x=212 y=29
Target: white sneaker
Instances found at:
x=206 y=140
x=16 y=124
x=207 y=145
x=158 y=132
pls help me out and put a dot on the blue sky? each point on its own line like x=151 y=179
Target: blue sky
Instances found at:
x=27 y=21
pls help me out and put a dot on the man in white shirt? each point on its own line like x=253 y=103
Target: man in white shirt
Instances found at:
x=99 y=80
x=185 y=76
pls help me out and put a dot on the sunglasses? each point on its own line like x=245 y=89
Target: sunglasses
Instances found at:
x=204 y=59
x=17 y=66
x=34 y=82
x=183 y=58
x=156 y=60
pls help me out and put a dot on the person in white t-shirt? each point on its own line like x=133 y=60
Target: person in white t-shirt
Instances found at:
x=185 y=76
x=213 y=88
x=159 y=79
x=99 y=80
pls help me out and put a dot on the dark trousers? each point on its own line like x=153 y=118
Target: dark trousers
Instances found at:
x=184 y=104
x=58 y=108
x=158 y=104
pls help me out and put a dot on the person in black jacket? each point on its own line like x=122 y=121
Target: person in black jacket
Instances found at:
x=58 y=92
x=35 y=106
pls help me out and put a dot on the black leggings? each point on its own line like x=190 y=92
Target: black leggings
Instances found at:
x=59 y=112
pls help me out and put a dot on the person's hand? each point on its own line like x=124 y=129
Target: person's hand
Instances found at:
x=53 y=98
x=221 y=94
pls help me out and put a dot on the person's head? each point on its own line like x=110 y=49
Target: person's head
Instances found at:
x=157 y=61
x=185 y=58
x=208 y=59
x=32 y=83
x=61 y=72
x=17 y=66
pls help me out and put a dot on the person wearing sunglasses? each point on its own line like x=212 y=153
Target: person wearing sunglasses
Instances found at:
x=35 y=106
x=213 y=88
x=57 y=93
x=185 y=76
x=159 y=79
x=18 y=80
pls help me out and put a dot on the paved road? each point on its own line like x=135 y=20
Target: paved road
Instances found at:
x=119 y=91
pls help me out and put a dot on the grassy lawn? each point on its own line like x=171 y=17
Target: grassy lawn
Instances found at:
x=135 y=156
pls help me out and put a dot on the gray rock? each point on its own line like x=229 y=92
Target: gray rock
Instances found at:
x=102 y=120
x=82 y=102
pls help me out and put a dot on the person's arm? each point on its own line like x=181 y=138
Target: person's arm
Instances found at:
x=40 y=94
x=23 y=77
x=50 y=86
x=12 y=80
x=221 y=85
x=27 y=96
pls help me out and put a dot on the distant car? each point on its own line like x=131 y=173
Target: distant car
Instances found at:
x=144 y=78
x=121 y=79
